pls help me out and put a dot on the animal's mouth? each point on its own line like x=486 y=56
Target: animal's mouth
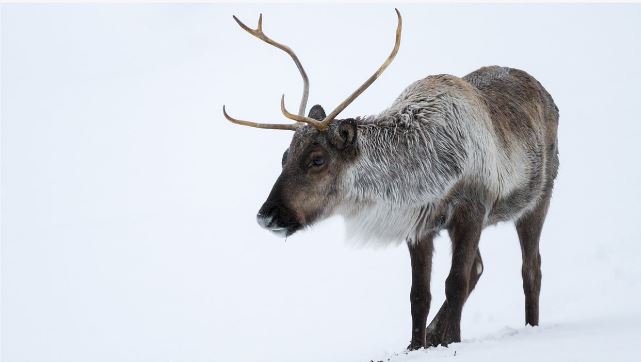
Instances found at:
x=282 y=231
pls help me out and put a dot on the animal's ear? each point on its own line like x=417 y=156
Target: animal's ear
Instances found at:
x=342 y=133
x=317 y=112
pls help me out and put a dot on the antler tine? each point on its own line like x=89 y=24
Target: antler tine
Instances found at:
x=289 y=127
x=325 y=123
x=295 y=117
x=258 y=32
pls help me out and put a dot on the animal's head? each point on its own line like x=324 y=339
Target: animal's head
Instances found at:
x=309 y=187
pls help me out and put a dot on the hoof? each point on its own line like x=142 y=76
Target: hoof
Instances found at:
x=440 y=339
x=414 y=345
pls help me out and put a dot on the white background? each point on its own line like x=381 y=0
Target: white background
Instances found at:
x=128 y=202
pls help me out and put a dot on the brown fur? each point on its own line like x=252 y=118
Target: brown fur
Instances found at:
x=520 y=108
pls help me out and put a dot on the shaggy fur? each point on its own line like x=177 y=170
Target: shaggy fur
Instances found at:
x=445 y=133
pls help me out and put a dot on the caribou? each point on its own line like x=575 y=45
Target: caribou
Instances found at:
x=450 y=153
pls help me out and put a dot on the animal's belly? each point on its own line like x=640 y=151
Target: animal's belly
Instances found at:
x=516 y=203
x=522 y=179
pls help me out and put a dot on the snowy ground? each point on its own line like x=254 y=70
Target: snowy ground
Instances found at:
x=615 y=339
x=128 y=203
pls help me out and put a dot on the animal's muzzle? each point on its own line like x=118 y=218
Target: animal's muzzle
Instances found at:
x=277 y=219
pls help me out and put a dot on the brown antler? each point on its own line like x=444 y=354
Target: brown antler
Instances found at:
x=300 y=118
x=322 y=125
x=258 y=32
x=290 y=127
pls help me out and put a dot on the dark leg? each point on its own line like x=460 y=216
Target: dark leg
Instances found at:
x=465 y=232
x=437 y=322
x=529 y=229
x=420 y=297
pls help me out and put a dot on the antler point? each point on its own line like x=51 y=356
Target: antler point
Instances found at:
x=225 y=113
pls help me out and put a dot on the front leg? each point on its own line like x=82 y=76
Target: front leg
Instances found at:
x=420 y=296
x=437 y=323
x=465 y=232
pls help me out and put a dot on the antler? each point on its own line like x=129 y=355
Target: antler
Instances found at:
x=291 y=127
x=258 y=32
x=295 y=117
x=300 y=117
x=322 y=125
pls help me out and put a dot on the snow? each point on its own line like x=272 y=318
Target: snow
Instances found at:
x=128 y=203
x=615 y=339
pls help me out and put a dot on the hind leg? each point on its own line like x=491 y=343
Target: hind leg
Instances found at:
x=529 y=228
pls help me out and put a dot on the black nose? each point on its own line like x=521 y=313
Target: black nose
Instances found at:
x=266 y=215
x=277 y=218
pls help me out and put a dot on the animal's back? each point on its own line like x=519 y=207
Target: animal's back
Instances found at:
x=525 y=120
x=515 y=98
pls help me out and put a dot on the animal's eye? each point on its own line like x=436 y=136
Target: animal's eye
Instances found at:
x=317 y=161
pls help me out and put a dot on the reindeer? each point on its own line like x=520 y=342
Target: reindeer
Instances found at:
x=455 y=154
